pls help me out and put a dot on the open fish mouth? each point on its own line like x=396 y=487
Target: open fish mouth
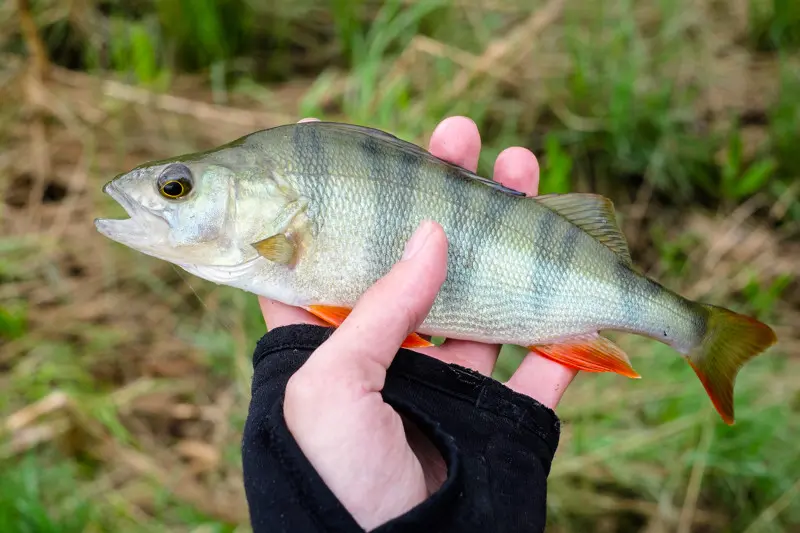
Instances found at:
x=141 y=229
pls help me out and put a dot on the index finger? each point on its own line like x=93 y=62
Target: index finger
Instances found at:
x=457 y=140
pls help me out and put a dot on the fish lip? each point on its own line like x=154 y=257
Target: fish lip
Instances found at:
x=119 y=196
x=138 y=226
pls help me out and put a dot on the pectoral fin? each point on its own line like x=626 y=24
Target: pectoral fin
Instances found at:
x=336 y=315
x=590 y=353
x=278 y=249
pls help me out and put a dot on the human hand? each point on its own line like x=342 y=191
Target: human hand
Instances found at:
x=378 y=467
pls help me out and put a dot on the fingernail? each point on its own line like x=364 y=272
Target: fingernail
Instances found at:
x=417 y=241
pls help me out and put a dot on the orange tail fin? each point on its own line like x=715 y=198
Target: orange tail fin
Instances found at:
x=730 y=341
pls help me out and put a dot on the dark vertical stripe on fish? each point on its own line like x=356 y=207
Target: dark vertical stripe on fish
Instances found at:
x=387 y=166
x=628 y=298
x=542 y=277
x=463 y=238
x=309 y=152
x=567 y=250
x=312 y=160
x=568 y=247
x=408 y=170
x=492 y=231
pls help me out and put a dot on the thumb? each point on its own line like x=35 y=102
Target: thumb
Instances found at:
x=368 y=340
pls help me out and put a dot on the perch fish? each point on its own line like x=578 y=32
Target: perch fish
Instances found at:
x=313 y=214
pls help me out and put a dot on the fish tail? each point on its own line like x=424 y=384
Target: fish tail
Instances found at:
x=730 y=340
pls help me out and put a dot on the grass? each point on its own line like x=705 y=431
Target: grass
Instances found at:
x=125 y=382
x=26 y=497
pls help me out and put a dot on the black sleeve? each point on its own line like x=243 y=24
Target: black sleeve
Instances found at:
x=498 y=446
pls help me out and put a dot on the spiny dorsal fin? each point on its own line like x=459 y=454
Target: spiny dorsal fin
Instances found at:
x=594 y=214
x=410 y=148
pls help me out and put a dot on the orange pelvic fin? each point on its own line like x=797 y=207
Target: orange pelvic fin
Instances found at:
x=590 y=353
x=336 y=315
x=332 y=315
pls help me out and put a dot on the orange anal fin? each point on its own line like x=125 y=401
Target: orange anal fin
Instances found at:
x=336 y=315
x=590 y=353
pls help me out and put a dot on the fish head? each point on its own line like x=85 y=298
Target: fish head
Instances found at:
x=184 y=211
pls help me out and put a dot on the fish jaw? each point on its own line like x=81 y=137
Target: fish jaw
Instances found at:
x=144 y=230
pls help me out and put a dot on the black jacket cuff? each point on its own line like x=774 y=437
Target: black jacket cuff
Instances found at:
x=498 y=446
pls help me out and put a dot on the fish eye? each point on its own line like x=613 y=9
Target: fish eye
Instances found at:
x=175 y=181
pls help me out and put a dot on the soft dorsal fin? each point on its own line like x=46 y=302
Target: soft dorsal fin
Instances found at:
x=409 y=148
x=594 y=214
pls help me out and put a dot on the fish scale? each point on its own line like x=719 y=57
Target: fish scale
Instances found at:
x=530 y=274
x=313 y=214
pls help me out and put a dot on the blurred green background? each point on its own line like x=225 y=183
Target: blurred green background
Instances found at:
x=124 y=382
